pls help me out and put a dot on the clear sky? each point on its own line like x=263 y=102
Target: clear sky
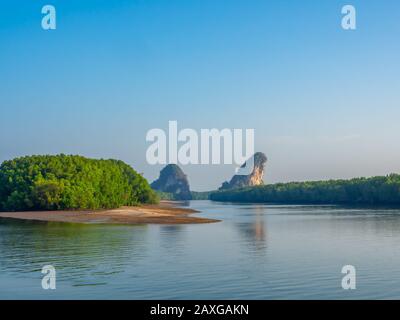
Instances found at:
x=324 y=102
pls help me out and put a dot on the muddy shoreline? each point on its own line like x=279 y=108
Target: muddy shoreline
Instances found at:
x=167 y=212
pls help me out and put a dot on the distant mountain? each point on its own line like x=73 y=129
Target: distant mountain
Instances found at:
x=173 y=181
x=255 y=178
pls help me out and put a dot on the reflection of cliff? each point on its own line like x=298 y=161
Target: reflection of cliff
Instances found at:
x=259 y=230
x=80 y=252
x=254 y=232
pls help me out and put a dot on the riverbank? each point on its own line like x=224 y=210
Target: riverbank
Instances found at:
x=167 y=212
x=374 y=191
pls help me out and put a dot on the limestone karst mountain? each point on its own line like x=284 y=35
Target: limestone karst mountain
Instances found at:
x=255 y=178
x=172 y=180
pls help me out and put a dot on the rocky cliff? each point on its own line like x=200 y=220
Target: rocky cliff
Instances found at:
x=172 y=180
x=255 y=178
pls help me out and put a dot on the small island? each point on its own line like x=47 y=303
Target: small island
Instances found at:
x=68 y=188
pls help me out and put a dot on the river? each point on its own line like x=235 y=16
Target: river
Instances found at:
x=256 y=252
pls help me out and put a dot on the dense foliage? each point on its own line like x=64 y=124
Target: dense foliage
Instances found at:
x=201 y=195
x=70 y=182
x=174 y=197
x=366 y=191
x=165 y=195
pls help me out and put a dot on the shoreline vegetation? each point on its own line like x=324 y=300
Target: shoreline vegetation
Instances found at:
x=166 y=212
x=75 y=189
x=375 y=191
x=69 y=182
x=69 y=188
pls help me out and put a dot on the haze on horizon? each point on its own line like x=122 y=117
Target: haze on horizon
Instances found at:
x=324 y=102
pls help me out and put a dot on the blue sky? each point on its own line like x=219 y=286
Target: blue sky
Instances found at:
x=324 y=102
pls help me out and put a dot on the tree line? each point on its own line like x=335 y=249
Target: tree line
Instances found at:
x=383 y=190
x=64 y=182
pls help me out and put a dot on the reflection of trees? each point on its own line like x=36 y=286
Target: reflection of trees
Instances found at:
x=348 y=221
x=78 y=251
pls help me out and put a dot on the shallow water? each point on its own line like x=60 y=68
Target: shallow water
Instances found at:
x=256 y=252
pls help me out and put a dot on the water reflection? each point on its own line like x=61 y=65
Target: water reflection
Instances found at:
x=256 y=252
x=172 y=237
x=82 y=253
x=255 y=231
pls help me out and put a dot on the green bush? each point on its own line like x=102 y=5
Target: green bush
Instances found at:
x=70 y=182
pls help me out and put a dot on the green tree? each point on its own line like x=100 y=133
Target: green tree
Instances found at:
x=70 y=182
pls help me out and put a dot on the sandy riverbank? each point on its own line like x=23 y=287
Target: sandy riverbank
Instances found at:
x=164 y=213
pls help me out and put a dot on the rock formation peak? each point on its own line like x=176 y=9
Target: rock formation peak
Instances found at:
x=173 y=180
x=255 y=178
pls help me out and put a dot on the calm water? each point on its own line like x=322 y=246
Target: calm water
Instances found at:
x=257 y=252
